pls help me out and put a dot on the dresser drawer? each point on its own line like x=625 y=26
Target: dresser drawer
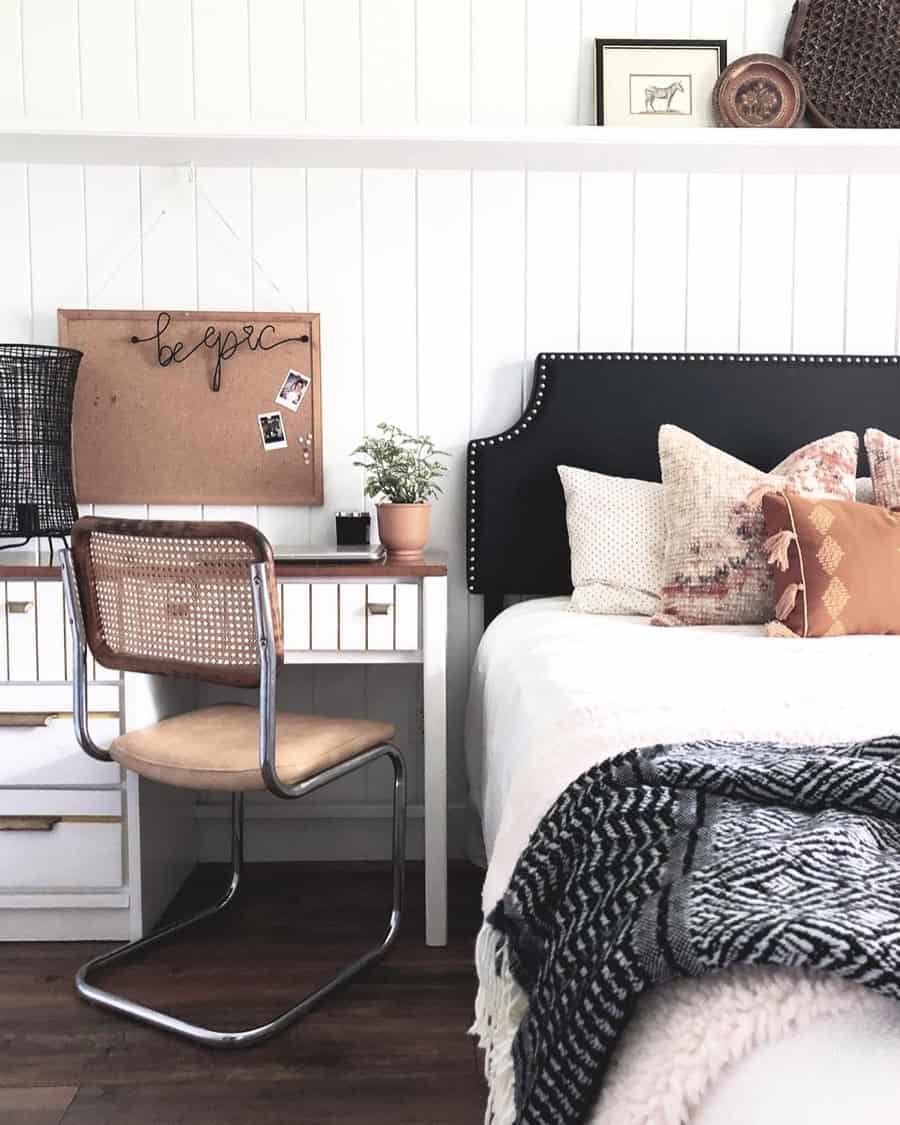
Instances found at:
x=350 y=616
x=39 y=748
x=58 y=839
x=36 y=644
x=55 y=698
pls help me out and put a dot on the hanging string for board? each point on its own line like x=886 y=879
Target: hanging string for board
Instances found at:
x=147 y=232
x=239 y=238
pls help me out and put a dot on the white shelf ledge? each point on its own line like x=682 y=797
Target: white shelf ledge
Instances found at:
x=572 y=149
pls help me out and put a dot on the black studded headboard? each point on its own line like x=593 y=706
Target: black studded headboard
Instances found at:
x=603 y=412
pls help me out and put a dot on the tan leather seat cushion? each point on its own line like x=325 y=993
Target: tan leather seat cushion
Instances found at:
x=218 y=747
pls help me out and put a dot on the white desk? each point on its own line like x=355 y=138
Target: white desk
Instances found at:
x=87 y=853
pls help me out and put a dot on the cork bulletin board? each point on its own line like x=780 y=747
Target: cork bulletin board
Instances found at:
x=196 y=407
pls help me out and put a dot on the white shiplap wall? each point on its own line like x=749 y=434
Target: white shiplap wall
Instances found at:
x=436 y=288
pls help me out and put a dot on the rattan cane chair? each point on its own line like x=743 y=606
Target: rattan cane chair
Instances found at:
x=198 y=600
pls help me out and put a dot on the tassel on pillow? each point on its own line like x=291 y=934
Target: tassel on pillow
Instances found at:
x=779 y=629
x=788 y=601
x=768 y=487
x=776 y=548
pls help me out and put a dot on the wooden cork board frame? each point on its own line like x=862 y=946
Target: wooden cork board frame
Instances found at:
x=147 y=434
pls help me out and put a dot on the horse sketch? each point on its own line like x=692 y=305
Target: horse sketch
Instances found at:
x=653 y=94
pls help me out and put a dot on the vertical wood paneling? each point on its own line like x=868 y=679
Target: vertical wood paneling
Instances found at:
x=767 y=263
x=277 y=61
x=660 y=262
x=223 y=238
x=165 y=60
x=279 y=239
x=766 y=24
x=498 y=313
x=332 y=62
x=552 y=262
x=498 y=62
x=444 y=280
x=388 y=62
x=498 y=298
x=389 y=288
x=280 y=282
x=340 y=61
x=335 y=289
x=56 y=206
x=443 y=62
x=221 y=61
x=224 y=275
x=50 y=59
x=108 y=61
x=820 y=264
x=714 y=263
x=873 y=256
x=12 y=103
x=112 y=208
x=721 y=19
x=664 y=19
x=601 y=20
x=15 y=287
x=169 y=248
x=607 y=201
x=552 y=51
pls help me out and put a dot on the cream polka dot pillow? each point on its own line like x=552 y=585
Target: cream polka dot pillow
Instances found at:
x=617 y=540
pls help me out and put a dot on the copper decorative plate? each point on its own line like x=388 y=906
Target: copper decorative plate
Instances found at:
x=759 y=92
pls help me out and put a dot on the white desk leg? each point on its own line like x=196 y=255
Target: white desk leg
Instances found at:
x=434 y=671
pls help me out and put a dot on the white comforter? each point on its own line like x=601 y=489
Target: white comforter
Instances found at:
x=552 y=693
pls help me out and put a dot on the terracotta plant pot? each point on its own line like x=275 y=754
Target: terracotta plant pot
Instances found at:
x=403 y=529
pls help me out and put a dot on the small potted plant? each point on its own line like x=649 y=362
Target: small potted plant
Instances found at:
x=403 y=471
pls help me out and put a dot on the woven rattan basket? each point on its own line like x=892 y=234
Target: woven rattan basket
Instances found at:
x=848 y=54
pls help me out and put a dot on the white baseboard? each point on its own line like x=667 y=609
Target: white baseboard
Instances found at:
x=320 y=832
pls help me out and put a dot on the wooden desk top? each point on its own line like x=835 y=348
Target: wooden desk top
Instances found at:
x=26 y=565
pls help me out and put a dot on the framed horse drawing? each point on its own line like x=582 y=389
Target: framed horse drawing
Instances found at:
x=654 y=82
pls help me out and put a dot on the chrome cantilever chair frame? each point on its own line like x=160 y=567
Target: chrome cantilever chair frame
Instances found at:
x=267 y=714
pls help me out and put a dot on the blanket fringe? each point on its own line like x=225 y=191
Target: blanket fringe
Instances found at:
x=499 y=1008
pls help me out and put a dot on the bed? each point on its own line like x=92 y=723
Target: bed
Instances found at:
x=554 y=692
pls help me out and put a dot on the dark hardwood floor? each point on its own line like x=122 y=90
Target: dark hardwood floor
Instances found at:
x=390 y=1048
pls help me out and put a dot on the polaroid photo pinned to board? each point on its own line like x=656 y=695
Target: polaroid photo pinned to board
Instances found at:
x=294 y=387
x=271 y=428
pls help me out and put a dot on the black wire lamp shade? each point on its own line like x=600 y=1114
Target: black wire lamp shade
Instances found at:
x=37 y=389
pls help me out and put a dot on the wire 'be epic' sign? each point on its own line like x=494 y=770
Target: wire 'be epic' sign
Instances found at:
x=224 y=344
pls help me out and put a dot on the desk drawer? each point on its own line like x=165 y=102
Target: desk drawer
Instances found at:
x=350 y=616
x=35 y=644
x=39 y=748
x=54 y=839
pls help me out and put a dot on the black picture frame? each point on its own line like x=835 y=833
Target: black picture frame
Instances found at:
x=720 y=45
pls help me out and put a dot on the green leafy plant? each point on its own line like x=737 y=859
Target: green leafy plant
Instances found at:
x=400 y=467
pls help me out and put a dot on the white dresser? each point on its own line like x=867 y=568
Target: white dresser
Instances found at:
x=86 y=852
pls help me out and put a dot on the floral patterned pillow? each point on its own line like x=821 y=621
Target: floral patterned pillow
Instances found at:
x=884 y=461
x=716 y=571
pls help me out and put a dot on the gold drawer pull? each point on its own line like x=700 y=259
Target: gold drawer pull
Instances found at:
x=19 y=607
x=379 y=609
x=43 y=718
x=28 y=823
x=26 y=718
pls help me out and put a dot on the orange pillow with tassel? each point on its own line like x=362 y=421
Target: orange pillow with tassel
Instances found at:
x=836 y=565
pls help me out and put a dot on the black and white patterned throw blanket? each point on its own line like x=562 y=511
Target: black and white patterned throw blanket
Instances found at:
x=682 y=860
